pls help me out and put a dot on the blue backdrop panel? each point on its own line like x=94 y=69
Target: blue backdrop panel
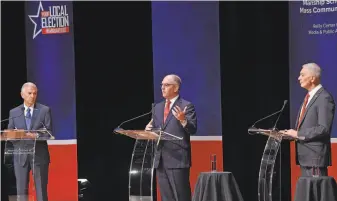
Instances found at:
x=50 y=61
x=313 y=38
x=186 y=42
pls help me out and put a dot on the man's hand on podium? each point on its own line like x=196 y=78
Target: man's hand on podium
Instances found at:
x=149 y=126
x=290 y=133
x=32 y=134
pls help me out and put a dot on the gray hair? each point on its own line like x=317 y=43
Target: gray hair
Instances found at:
x=28 y=84
x=314 y=68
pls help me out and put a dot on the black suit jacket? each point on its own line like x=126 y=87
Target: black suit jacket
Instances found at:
x=17 y=120
x=316 y=127
x=175 y=154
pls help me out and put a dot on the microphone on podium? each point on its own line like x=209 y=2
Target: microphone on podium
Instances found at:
x=134 y=118
x=44 y=127
x=284 y=104
x=253 y=130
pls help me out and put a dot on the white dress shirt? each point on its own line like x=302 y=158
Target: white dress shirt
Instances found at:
x=31 y=110
x=313 y=92
x=311 y=95
x=173 y=100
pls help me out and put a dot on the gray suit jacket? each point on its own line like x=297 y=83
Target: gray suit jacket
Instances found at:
x=41 y=113
x=175 y=154
x=315 y=127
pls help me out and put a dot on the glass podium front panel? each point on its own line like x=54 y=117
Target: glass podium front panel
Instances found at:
x=18 y=159
x=267 y=168
x=141 y=171
x=142 y=162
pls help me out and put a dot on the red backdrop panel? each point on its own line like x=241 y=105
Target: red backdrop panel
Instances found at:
x=62 y=183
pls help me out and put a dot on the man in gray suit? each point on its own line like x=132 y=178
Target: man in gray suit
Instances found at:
x=176 y=116
x=313 y=125
x=31 y=116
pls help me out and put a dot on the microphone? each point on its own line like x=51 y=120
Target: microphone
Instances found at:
x=253 y=126
x=284 y=104
x=44 y=128
x=23 y=111
x=153 y=105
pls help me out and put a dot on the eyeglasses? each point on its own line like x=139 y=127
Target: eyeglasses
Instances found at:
x=165 y=84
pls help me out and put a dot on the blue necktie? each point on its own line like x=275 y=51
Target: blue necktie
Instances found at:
x=28 y=119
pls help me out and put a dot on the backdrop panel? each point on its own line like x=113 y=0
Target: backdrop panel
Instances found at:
x=50 y=65
x=313 y=38
x=186 y=42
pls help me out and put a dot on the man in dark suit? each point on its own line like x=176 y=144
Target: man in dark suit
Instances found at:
x=31 y=116
x=313 y=125
x=176 y=116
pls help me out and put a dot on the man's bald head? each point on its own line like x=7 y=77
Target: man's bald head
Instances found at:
x=170 y=86
x=175 y=78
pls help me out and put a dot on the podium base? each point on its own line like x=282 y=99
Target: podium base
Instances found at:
x=140 y=198
x=16 y=198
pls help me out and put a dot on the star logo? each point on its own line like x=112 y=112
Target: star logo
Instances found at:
x=54 y=20
x=36 y=20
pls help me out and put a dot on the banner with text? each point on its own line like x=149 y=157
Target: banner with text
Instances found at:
x=313 y=38
x=51 y=66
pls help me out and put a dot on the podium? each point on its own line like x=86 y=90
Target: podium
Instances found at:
x=20 y=144
x=142 y=161
x=265 y=181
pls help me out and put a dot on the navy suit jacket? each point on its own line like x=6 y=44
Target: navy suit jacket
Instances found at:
x=177 y=153
x=41 y=113
x=316 y=127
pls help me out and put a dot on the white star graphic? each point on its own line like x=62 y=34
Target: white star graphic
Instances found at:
x=36 y=16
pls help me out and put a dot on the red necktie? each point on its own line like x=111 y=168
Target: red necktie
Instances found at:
x=167 y=109
x=304 y=108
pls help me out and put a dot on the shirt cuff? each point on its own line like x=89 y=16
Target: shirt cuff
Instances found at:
x=302 y=138
x=183 y=123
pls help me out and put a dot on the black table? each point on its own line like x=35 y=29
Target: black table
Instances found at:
x=216 y=186
x=316 y=189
